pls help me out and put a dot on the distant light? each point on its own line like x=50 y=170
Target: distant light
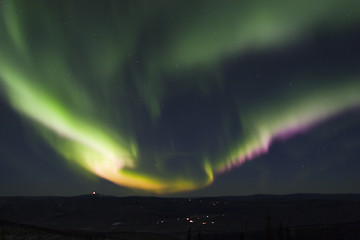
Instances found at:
x=204 y=223
x=191 y=221
x=94 y=193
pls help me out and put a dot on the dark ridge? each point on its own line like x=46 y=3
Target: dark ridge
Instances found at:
x=134 y=217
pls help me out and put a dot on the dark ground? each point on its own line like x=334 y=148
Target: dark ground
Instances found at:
x=302 y=216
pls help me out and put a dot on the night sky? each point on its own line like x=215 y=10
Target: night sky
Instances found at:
x=179 y=98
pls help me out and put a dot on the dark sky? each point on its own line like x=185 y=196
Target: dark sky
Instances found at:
x=179 y=98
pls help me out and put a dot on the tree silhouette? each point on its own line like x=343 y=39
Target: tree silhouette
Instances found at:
x=281 y=232
x=188 y=237
x=200 y=236
x=242 y=237
x=2 y=234
x=269 y=230
x=287 y=234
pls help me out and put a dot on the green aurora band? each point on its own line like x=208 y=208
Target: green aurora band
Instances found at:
x=92 y=76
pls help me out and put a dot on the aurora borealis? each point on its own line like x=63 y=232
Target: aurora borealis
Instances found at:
x=164 y=96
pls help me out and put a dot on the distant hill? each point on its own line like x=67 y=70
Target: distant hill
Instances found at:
x=170 y=218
